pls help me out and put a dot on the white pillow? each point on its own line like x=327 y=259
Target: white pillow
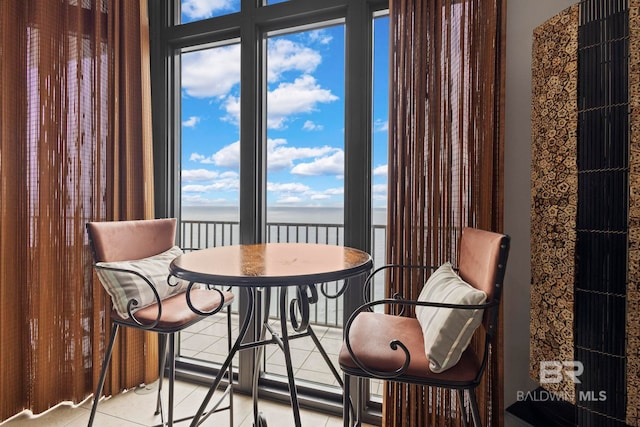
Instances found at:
x=447 y=332
x=123 y=287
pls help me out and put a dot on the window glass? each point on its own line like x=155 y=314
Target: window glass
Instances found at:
x=305 y=167
x=380 y=139
x=304 y=145
x=210 y=144
x=305 y=122
x=380 y=136
x=196 y=10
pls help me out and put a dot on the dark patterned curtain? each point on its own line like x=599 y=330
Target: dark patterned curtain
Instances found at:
x=445 y=164
x=75 y=146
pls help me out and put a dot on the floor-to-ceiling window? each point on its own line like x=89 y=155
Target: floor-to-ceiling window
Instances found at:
x=273 y=128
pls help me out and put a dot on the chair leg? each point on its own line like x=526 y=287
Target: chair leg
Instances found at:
x=103 y=373
x=172 y=375
x=351 y=411
x=359 y=401
x=475 y=412
x=163 y=362
x=463 y=409
x=229 y=346
x=346 y=400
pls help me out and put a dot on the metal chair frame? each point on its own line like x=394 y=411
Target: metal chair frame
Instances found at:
x=398 y=375
x=167 y=350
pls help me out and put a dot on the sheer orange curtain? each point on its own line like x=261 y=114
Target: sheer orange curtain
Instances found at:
x=75 y=146
x=445 y=163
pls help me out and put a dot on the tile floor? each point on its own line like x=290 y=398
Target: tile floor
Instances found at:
x=135 y=408
x=206 y=340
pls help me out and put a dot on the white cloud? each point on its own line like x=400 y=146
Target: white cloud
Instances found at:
x=229 y=174
x=200 y=9
x=199 y=200
x=228 y=156
x=195 y=188
x=320 y=36
x=381 y=125
x=227 y=184
x=204 y=180
x=298 y=97
x=310 y=126
x=289 y=200
x=328 y=165
x=280 y=157
x=295 y=193
x=212 y=72
x=285 y=55
x=205 y=175
x=232 y=107
x=320 y=197
x=380 y=188
x=327 y=193
x=196 y=157
x=287 y=187
x=191 y=122
x=198 y=175
x=380 y=170
x=334 y=191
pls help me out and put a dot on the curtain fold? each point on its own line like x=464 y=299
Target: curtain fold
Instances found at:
x=445 y=164
x=75 y=146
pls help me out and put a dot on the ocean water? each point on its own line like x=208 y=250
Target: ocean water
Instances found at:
x=302 y=215
x=329 y=230
x=324 y=226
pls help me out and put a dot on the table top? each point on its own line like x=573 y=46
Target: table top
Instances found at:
x=271 y=264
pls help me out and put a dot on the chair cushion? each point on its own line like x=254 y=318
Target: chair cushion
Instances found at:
x=370 y=335
x=124 y=287
x=447 y=332
x=176 y=313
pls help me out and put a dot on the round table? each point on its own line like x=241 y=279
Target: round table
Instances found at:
x=260 y=267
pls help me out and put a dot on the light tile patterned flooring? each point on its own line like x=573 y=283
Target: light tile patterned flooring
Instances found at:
x=135 y=408
x=206 y=340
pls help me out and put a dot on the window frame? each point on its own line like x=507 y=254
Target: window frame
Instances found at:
x=250 y=26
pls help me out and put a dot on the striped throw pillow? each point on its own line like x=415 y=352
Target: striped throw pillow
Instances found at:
x=447 y=332
x=123 y=286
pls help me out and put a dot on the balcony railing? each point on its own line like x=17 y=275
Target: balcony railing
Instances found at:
x=327 y=312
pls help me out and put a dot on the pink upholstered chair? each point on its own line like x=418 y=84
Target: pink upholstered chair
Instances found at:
x=392 y=347
x=132 y=260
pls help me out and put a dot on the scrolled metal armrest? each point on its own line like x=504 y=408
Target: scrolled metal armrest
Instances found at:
x=396 y=343
x=133 y=303
x=209 y=287
x=367 y=283
x=196 y=310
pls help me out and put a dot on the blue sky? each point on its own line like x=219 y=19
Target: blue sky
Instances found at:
x=305 y=116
